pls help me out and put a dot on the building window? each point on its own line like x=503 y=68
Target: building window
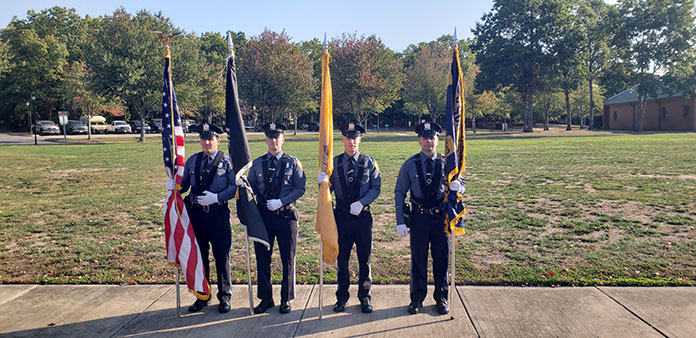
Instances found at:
x=686 y=111
x=616 y=116
x=664 y=113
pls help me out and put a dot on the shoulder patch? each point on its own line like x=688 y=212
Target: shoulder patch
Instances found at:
x=377 y=167
x=299 y=164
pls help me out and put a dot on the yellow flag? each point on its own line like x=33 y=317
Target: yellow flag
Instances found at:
x=326 y=223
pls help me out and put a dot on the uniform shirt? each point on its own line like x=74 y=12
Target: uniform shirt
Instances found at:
x=293 y=177
x=370 y=183
x=408 y=180
x=223 y=182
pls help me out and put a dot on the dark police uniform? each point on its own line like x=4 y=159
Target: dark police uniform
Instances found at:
x=354 y=178
x=277 y=177
x=424 y=177
x=211 y=223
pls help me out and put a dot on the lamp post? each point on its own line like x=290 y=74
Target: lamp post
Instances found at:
x=29 y=117
x=33 y=98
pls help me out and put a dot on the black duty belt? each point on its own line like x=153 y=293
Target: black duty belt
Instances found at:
x=346 y=207
x=286 y=208
x=436 y=211
x=212 y=207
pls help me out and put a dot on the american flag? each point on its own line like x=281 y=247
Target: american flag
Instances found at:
x=182 y=247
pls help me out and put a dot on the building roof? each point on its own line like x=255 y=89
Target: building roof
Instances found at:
x=631 y=95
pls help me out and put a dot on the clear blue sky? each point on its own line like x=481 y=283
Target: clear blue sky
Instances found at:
x=397 y=23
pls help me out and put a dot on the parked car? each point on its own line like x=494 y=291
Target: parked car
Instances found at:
x=46 y=127
x=119 y=127
x=75 y=127
x=98 y=124
x=156 y=125
x=313 y=126
x=135 y=127
x=186 y=124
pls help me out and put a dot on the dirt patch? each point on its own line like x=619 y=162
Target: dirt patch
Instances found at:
x=680 y=177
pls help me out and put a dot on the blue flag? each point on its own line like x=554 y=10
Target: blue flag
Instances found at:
x=455 y=146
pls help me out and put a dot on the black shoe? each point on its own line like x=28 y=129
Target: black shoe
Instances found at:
x=413 y=308
x=198 y=305
x=264 y=306
x=224 y=306
x=365 y=305
x=442 y=307
x=339 y=306
x=284 y=307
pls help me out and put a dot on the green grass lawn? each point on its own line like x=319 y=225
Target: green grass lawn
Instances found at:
x=610 y=209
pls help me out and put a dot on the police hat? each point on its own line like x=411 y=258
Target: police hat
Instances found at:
x=428 y=129
x=273 y=130
x=352 y=130
x=208 y=131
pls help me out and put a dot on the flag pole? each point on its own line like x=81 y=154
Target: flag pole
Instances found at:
x=165 y=41
x=230 y=49
x=321 y=278
x=453 y=285
x=178 y=296
x=251 y=301
x=321 y=249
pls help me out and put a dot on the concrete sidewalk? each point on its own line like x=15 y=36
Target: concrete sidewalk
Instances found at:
x=150 y=310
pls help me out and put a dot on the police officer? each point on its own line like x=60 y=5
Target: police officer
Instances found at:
x=424 y=176
x=356 y=182
x=278 y=180
x=211 y=178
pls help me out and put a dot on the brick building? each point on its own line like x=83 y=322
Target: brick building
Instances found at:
x=675 y=112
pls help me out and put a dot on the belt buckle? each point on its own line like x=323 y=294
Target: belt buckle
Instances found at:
x=205 y=208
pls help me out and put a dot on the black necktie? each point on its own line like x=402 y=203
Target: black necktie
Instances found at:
x=272 y=168
x=206 y=164
x=429 y=165
x=351 y=170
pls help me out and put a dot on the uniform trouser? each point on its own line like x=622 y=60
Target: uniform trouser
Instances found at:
x=358 y=230
x=285 y=231
x=427 y=231
x=213 y=229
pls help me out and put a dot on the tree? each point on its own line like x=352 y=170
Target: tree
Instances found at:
x=486 y=105
x=65 y=25
x=426 y=81
x=569 y=62
x=660 y=34
x=514 y=46
x=594 y=15
x=78 y=88
x=36 y=68
x=127 y=60
x=366 y=76
x=275 y=76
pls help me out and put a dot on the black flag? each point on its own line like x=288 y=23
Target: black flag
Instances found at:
x=238 y=146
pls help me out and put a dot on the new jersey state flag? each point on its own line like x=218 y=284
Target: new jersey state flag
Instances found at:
x=326 y=223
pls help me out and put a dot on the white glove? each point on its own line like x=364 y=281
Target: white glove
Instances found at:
x=240 y=181
x=455 y=185
x=322 y=177
x=274 y=205
x=355 y=208
x=402 y=230
x=207 y=199
x=170 y=184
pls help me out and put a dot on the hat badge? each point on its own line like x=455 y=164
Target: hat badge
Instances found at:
x=426 y=126
x=351 y=126
x=206 y=127
x=272 y=126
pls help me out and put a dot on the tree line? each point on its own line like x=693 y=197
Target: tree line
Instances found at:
x=529 y=61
